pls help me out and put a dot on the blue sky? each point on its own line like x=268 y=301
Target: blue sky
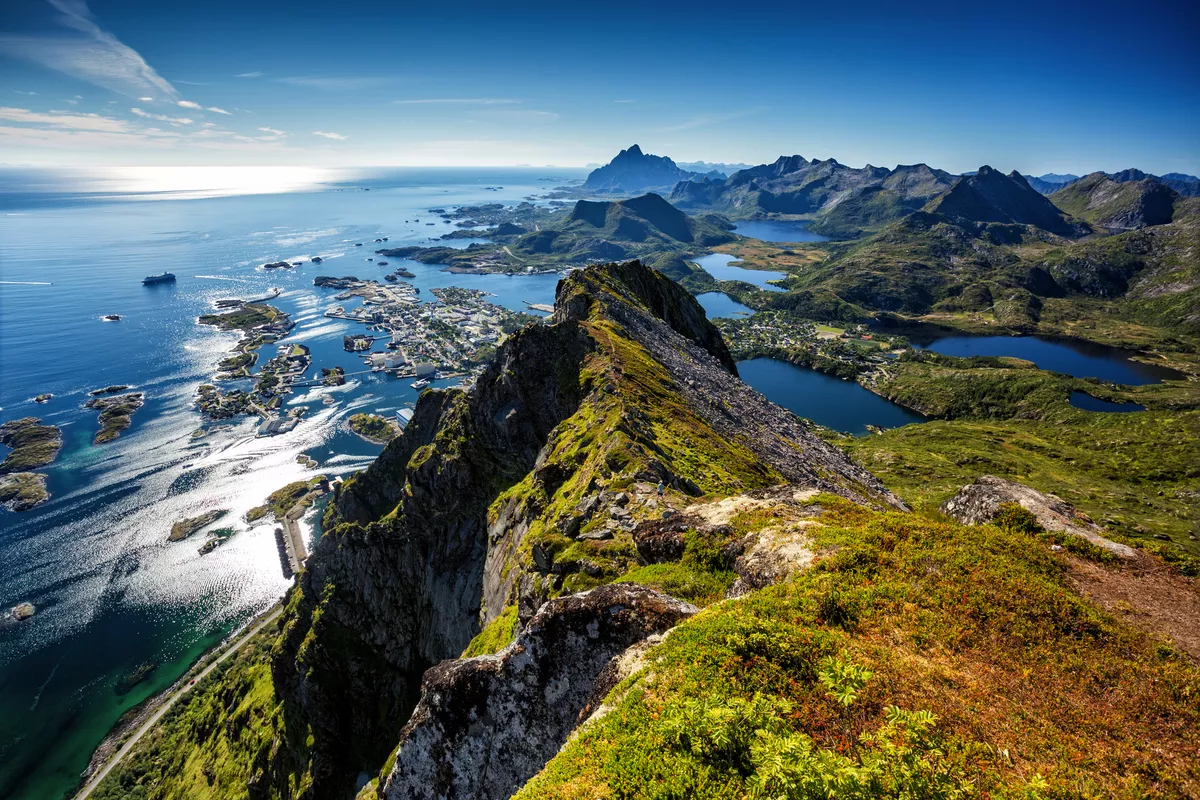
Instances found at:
x=1035 y=86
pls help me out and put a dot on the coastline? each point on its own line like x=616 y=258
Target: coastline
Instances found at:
x=142 y=717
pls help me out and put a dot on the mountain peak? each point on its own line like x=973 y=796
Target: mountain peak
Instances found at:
x=991 y=196
x=633 y=150
x=633 y=170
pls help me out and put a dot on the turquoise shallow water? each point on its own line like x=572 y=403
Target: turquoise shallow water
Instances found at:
x=111 y=592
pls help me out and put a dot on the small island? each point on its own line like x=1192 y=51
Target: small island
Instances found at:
x=116 y=414
x=374 y=428
x=282 y=500
x=116 y=387
x=21 y=491
x=43 y=398
x=186 y=527
x=33 y=444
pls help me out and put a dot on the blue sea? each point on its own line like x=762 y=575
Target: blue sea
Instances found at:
x=111 y=592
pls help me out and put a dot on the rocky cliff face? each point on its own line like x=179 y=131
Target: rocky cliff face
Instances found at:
x=486 y=725
x=466 y=513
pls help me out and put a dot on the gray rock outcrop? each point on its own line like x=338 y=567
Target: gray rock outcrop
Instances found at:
x=980 y=501
x=484 y=726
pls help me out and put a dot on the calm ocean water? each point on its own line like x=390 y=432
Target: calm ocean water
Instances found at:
x=111 y=592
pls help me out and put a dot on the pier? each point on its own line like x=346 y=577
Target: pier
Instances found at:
x=290 y=539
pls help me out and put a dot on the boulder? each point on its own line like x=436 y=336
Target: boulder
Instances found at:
x=980 y=501
x=662 y=540
x=484 y=726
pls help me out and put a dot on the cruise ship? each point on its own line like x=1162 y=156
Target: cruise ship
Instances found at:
x=166 y=277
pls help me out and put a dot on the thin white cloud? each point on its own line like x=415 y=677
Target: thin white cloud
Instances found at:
x=163 y=117
x=703 y=120
x=330 y=135
x=19 y=91
x=145 y=99
x=97 y=56
x=72 y=102
x=192 y=83
x=216 y=110
x=332 y=84
x=64 y=120
x=477 y=101
x=249 y=75
x=273 y=131
x=188 y=104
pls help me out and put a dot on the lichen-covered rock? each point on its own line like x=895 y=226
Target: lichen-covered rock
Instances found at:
x=661 y=540
x=771 y=555
x=486 y=725
x=980 y=501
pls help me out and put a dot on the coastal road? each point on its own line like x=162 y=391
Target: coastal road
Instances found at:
x=514 y=255
x=170 y=701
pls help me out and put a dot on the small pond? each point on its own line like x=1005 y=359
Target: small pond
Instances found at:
x=1073 y=357
x=718 y=265
x=776 y=230
x=719 y=304
x=829 y=401
x=1086 y=402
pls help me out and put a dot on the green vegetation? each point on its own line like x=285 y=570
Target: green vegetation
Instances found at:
x=960 y=663
x=116 y=414
x=249 y=316
x=280 y=501
x=21 y=491
x=33 y=444
x=374 y=427
x=702 y=576
x=495 y=636
x=214 y=742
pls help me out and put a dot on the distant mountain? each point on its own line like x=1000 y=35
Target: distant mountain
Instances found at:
x=704 y=167
x=992 y=196
x=633 y=171
x=1186 y=185
x=1128 y=200
x=1044 y=186
x=841 y=201
x=1055 y=177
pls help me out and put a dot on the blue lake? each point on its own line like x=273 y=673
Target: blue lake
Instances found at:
x=719 y=304
x=842 y=405
x=773 y=230
x=1069 y=356
x=720 y=267
x=1085 y=401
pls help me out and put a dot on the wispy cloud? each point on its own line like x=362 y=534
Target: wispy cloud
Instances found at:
x=163 y=117
x=249 y=75
x=192 y=83
x=273 y=131
x=145 y=99
x=332 y=83
x=64 y=120
x=703 y=120
x=188 y=104
x=19 y=91
x=72 y=102
x=624 y=101
x=331 y=135
x=477 y=101
x=96 y=56
x=216 y=110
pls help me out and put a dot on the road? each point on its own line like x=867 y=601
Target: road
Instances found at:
x=514 y=255
x=170 y=701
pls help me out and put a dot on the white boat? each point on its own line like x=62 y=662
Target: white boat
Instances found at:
x=421 y=384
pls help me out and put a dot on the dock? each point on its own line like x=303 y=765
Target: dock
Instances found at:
x=549 y=309
x=290 y=539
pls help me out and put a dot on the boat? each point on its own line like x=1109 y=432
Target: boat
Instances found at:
x=421 y=384
x=166 y=277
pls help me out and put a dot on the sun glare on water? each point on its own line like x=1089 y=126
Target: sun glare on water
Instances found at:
x=150 y=182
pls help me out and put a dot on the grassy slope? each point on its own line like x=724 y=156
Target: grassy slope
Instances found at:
x=1034 y=692
x=214 y=741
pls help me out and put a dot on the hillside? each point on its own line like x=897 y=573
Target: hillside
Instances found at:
x=499 y=508
x=632 y=170
x=991 y=196
x=1115 y=204
x=638 y=226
